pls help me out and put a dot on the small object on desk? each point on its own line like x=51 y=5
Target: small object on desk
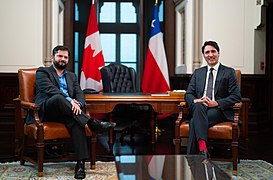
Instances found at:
x=90 y=91
x=160 y=94
x=177 y=92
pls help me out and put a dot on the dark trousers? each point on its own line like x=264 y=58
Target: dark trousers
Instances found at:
x=58 y=109
x=202 y=119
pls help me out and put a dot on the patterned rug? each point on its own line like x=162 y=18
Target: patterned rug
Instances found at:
x=250 y=170
x=247 y=170
x=63 y=171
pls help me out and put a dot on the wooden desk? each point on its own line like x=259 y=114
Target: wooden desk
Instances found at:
x=105 y=103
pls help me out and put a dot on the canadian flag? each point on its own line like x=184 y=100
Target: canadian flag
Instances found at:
x=93 y=58
x=155 y=77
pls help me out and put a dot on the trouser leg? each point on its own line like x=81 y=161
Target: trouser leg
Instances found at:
x=202 y=118
x=58 y=106
x=198 y=127
x=79 y=141
x=58 y=109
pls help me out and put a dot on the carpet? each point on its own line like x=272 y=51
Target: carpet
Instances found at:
x=247 y=170
x=63 y=171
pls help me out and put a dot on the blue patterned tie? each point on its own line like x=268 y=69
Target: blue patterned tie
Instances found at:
x=210 y=84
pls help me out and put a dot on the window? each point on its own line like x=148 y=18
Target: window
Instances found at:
x=119 y=27
x=119 y=32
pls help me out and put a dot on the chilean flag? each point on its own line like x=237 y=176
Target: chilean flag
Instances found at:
x=93 y=58
x=156 y=76
x=155 y=166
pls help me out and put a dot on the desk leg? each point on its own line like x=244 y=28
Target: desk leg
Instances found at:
x=110 y=135
x=153 y=128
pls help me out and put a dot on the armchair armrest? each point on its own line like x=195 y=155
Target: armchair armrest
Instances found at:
x=34 y=107
x=236 y=108
x=177 y=140
x=246 y=104
x=181 y=107
x=29 y=106
x=235 y=129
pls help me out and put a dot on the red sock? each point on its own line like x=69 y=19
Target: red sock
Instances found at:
x=202 y=145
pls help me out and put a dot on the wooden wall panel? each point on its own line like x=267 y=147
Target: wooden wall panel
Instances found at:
x=254 y=87
x=257 y=89
x=8 y=91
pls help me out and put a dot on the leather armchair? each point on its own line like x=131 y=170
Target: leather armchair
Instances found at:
x=42 y=134
x=225 y=132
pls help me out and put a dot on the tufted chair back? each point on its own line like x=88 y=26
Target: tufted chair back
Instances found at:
x=117 y=78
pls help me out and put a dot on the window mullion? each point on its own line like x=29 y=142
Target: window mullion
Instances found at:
x=118 y=48
x=118 y=34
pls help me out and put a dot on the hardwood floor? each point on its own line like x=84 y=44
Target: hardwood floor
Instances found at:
x=260 y=146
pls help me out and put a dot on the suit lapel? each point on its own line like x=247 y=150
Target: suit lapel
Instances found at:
x=203 y=79
x=55 y=75
x=219 y=76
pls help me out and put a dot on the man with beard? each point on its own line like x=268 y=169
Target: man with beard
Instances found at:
x=60 y=98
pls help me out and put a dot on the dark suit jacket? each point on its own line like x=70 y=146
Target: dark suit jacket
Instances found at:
x=47 y=85
x=226 y=90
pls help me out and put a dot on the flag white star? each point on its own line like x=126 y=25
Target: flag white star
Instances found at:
x=153 y=23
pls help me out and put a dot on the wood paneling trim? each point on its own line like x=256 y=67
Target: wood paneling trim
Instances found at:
x=8 y=91
x=169 y=41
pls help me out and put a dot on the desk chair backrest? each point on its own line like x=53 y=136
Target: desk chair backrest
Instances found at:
x=117 y=78
x=27 y=79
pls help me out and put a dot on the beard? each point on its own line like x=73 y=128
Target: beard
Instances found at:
x=61 y=65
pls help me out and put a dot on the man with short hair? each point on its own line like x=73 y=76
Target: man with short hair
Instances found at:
x=61 y=99
x=211 y=94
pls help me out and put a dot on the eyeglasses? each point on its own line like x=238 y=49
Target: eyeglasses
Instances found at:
x=61 y=56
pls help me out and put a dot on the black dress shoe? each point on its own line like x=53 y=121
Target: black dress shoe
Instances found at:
x=205 y=154
x=79 y=170
x=100 y=126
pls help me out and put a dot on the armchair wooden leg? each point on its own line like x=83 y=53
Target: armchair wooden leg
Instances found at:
x=177 y=144
x=177 y=138
x=235 y=158
x=93 y=150
x=40 y=145
x=22 y=160
x=40 y=153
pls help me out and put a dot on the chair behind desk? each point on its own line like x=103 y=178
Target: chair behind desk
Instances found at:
x=117 y=78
